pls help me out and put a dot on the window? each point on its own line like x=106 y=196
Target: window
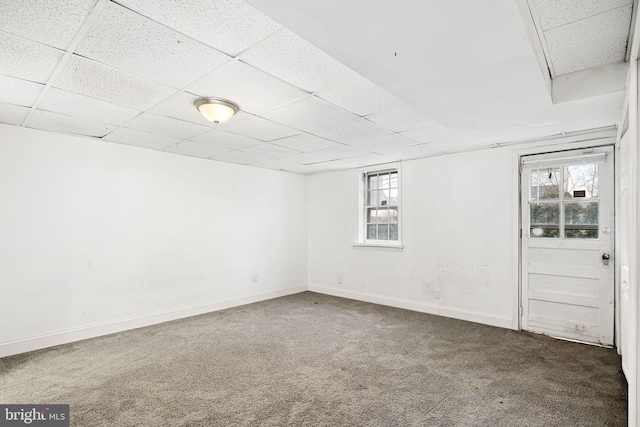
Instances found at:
x=381 y=207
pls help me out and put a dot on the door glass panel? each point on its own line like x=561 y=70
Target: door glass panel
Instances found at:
x=545 y=220
x=545 y=183
x=581 y=181
x=581 y=220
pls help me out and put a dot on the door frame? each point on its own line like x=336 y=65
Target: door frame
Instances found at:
x=594 y=140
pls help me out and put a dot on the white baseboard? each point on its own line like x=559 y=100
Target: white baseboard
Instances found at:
x=502 y=322
x=63 y=337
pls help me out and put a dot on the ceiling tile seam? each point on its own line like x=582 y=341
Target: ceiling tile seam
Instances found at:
x=97 y=10
x=630 y=4
x=231 y=57
x=541 y=38
x=190 y=37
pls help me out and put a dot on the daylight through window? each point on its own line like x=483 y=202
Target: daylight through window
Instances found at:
x=381 y=206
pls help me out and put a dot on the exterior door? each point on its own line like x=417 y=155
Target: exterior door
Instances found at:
x=567 y=245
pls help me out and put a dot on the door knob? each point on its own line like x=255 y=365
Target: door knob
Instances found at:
x=605 y=259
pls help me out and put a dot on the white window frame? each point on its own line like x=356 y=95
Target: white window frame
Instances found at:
x=362 y=240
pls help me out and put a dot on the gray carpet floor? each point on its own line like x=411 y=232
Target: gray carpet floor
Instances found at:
x=316 y=360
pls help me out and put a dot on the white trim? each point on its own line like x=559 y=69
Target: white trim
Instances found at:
x=63 y=337
x=470 y=316
x=378 y=245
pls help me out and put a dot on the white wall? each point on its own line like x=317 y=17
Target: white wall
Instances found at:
x=458 y=234
x=98 y=237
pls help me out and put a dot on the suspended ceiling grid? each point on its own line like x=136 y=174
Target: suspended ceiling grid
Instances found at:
x=127 y=72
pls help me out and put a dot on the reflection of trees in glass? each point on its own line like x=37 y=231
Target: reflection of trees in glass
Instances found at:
x=581 y=213
x=550 y=187
x=545 y=183
x=581 y=177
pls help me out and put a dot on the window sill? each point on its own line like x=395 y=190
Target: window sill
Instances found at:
x=389 y=246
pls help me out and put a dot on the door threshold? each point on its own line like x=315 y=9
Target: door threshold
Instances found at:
x=581 y=342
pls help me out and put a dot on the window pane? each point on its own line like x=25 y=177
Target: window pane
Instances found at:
x=371 y=231
x=393 y=215
x=581 y=220
x=373 y=182
x=383 y=216
x=384 y=181
x=393 y=231
x=545 y=213
x=383 y=197
x=545 y=183
x=383 y=232
x=581 y=180
x=582 y=233
x=539 y=231
x=394 y=180
x=373 y=199
x=581 y=213
x=393 y=197
x=372 y=216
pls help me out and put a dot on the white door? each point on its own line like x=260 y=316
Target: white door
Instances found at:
x=567 y=245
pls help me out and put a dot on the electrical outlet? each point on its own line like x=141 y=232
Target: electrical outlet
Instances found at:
x=254 y=277
x=436 y=293
x=339 y=279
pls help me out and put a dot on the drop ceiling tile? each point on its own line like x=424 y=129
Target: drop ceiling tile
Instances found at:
x=125 y=40
x=555 y=13
x=259 y=128
x=55 y=122
x=51 y=22
x=270 y=151
x=139 y=138
x=226 y=139
x=390 y=144
x=166 y=126
x=253 y=90
x=325 y=155
x=310 y=114
x=294 y=60
x=592 y=42
x=19 y=92
x=429 y=134
x=306 y=142
x=356 y=133
x=239 y=157
x=230 y=26
x=84 y=107
x=96 y=80
x=361 y=97
x=180 y=106
x=197 y=149
x=27 y=60
x=13 y=114
x=401 y=118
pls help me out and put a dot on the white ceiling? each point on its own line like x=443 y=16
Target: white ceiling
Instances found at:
x=322 y=85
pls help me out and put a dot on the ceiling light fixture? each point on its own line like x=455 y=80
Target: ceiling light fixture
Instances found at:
x=216 y=110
